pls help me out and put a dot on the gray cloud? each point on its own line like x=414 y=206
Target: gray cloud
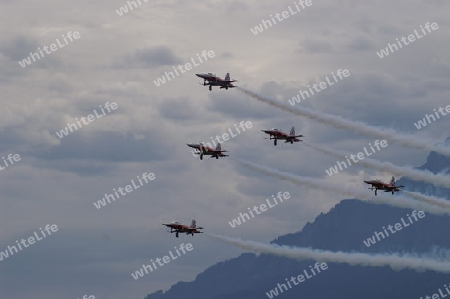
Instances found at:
x=149 y=58
x=117 y=59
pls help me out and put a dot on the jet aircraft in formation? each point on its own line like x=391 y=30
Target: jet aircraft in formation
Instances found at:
x=276 y=134
x=387 y=187
x=176 y=227
x=202 y=149
x=212 y=80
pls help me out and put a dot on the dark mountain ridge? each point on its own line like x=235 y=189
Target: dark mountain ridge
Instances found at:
x=343 y=228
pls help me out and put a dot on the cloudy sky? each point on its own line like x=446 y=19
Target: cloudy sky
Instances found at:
x=117 y=58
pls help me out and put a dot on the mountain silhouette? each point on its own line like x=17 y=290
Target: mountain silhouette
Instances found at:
x=343 y=228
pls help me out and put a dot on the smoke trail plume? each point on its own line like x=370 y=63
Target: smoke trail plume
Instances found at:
x=441 y=202
x=397 y=201
x=394 y=261
x=418 y=175
x=355 y=126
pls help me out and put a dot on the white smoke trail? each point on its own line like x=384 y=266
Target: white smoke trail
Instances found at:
x=441 y=202
x=397 y=201
x=355 y=126
x=418 y=175
x=395 y=261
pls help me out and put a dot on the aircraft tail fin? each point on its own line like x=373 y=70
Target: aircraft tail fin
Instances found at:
x=193 y=224
x=393 y=181
x=227 y=77
x=218 y=147
x=292 y=131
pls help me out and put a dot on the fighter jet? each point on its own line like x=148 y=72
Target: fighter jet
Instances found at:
x=176 y=227
x=202 y=149
x=276 y=134
x=212 y=80
x=379 y=185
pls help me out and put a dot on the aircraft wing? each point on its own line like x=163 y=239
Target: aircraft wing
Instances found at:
x=272 y=133
x=373 y=183
x=204 y=76
x=196 y=146
x=173 y=226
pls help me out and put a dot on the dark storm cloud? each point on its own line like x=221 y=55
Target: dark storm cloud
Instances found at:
x=19 y=48
x=96 y=250
x=12 y=51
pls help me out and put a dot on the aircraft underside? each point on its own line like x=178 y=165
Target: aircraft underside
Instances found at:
x=385 y=190
x=275 y=139
x=211 y=84
x=207 y=154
